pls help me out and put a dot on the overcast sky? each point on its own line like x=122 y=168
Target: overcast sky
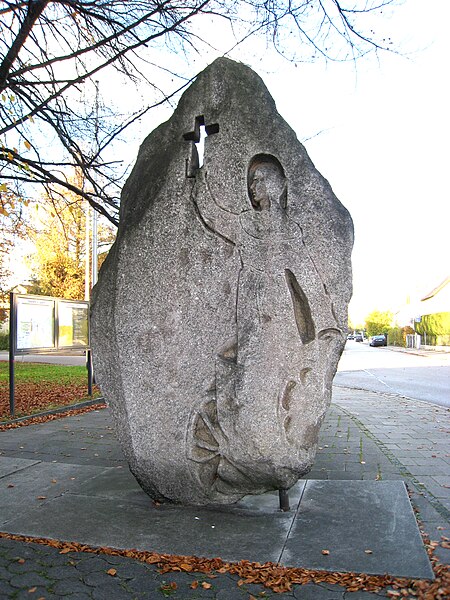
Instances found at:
x=383 y=132
x=379 y=132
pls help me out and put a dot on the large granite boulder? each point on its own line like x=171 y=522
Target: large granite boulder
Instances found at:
x=220 y=313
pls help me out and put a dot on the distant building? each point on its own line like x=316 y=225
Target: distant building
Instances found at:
x=438 y=300
x=433 y=322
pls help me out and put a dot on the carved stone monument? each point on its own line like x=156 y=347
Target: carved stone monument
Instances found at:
x=221 y=311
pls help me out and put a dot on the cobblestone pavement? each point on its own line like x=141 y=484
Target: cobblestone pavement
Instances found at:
x=365 y=436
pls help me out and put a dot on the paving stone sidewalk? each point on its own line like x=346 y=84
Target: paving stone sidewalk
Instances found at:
x=367 y=436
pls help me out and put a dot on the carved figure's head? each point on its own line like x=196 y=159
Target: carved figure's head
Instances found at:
x=266 y=182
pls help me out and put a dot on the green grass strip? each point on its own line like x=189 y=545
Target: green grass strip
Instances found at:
x=40 y=373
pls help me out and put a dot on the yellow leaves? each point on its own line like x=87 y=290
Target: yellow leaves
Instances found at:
x=112 y=572
x=9 y=156
x=3 y=187
x=27 y=144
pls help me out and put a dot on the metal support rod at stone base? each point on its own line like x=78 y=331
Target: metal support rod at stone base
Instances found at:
x=284 y=500
x=90 y=370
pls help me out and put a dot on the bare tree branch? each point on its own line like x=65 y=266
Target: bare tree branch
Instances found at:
x=52 y=116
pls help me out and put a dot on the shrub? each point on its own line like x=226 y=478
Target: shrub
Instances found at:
x=4 y=341
x=436 y=324
x=397 y=336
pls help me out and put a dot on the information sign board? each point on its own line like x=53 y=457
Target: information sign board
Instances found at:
x=73 y=331
x=46 y=324
x=35 y=323
x=41 y=324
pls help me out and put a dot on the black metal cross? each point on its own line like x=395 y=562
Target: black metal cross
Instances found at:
x=198 y=136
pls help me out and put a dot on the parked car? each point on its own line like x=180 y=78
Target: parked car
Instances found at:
x=378 y=340
x=359 y=337
x=350 y=336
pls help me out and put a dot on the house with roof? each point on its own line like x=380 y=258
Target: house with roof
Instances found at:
x=433 y=322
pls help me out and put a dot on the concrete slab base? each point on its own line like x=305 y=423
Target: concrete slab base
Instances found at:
x=366 y=526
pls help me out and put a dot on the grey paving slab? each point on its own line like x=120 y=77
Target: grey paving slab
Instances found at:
x=235 y=534
x=30 y=490
x=365 y=526
x=107 y=508
x=10 y=465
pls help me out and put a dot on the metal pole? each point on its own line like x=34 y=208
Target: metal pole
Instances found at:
x=89 y=370
x=12 y=345
x=95 y=215
x=284 y=500
x=87 y=287
x=94 y=247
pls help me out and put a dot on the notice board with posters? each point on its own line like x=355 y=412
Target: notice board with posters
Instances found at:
x=43 y=325
x=46 y=324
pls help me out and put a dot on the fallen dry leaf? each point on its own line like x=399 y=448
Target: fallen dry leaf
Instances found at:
x=10 y=485
x=206 y=585
x=112 y=572
x=169 y=587
x=21 y=561
x=42 y=498
x=194 y=585
x=32 y=590
x=368 y=551
x=325 y=552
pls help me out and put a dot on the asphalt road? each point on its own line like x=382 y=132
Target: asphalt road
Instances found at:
x=381 y=369
x=73 y=359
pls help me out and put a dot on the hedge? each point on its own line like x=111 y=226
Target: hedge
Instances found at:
x=436 y=324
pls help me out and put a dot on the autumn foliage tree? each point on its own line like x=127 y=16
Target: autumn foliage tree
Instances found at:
x=59 y=235
x=378 y=322
x=53 y=117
